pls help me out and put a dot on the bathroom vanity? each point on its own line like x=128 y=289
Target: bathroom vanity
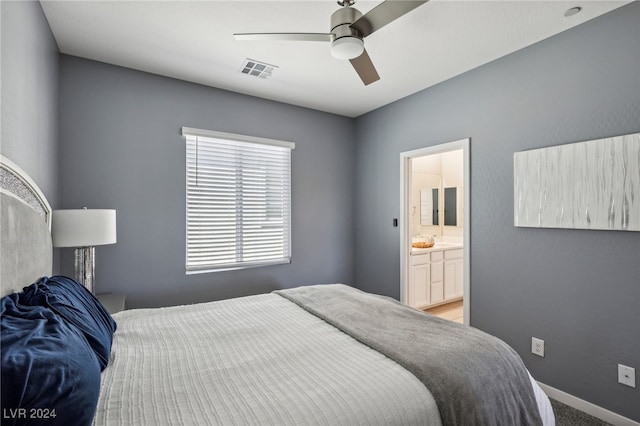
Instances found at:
x=436 y=275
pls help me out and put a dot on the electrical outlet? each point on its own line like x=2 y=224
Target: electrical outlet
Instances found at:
x=537 y=346
x=627 y=375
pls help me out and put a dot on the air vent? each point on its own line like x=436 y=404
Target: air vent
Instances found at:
x=257 y=68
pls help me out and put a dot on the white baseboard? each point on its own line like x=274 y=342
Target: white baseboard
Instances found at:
x=587 y=407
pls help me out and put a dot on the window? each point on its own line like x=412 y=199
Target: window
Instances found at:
x=238 y=201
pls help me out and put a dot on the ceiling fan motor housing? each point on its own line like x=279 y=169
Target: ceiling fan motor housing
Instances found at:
x=346 y=42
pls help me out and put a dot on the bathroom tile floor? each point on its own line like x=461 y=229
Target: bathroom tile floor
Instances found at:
x=451 y=311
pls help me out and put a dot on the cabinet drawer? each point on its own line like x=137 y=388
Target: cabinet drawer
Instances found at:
x=436 y=256
x=454 y=254
x=419 y=259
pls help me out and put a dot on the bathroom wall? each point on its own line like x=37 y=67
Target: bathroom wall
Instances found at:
x=437 y=171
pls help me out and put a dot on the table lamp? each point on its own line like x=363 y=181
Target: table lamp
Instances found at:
x=83 y=229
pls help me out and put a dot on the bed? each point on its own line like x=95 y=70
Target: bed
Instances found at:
x=312 y=355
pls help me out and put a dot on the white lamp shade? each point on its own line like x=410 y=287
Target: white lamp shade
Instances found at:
x=83 y=227
x=347 y=47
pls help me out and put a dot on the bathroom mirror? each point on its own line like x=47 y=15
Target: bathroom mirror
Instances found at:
x=429 y=206
x=451 y=206
x=434 y=208
x=426 y=202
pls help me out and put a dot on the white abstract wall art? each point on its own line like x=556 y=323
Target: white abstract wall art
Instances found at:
x=585 y=185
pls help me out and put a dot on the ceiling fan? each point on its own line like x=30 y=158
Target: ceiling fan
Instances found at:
x=348 y=29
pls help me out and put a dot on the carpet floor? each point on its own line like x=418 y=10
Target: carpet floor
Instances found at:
x=568 y=416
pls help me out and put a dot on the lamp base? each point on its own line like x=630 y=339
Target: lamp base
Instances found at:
x=85 y=266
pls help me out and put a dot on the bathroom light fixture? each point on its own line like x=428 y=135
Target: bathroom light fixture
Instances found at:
x=572 y=11
x=83 y=229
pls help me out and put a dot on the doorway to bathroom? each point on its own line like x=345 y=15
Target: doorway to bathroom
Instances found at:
x=435 y=229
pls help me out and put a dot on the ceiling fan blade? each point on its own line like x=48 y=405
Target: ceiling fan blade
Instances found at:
x=284 y=36
x=365 y=69
x=384 y=13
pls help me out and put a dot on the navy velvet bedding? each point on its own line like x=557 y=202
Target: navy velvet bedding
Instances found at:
x=79 y=307
x=55 y=340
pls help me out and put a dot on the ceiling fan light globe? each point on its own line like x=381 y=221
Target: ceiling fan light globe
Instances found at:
x=347 y=48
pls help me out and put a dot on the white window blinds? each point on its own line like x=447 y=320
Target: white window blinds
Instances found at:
x=238 y=201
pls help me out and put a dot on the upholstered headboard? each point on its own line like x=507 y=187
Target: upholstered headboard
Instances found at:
x=26 y=252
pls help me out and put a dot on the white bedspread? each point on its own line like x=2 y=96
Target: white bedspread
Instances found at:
x=223 y=363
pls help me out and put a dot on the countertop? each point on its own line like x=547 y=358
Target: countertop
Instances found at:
x=437 y=247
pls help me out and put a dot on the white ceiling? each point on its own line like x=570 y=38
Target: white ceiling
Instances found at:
x=193 y=41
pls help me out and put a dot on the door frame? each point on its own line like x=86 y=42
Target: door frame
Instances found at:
x=405 y=216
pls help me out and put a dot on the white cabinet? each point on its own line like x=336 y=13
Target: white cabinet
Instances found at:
x=419 y=281
x=436 y=277
x=453 y=273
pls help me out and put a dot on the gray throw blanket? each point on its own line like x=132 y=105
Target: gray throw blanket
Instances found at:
x=475 y=378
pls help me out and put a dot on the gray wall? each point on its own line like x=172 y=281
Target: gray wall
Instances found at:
x=121 y=148
x=577 y=290
x=30 y=94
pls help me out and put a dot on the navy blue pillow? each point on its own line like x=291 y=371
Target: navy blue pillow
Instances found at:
x=50 y=374
x=73 y=302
